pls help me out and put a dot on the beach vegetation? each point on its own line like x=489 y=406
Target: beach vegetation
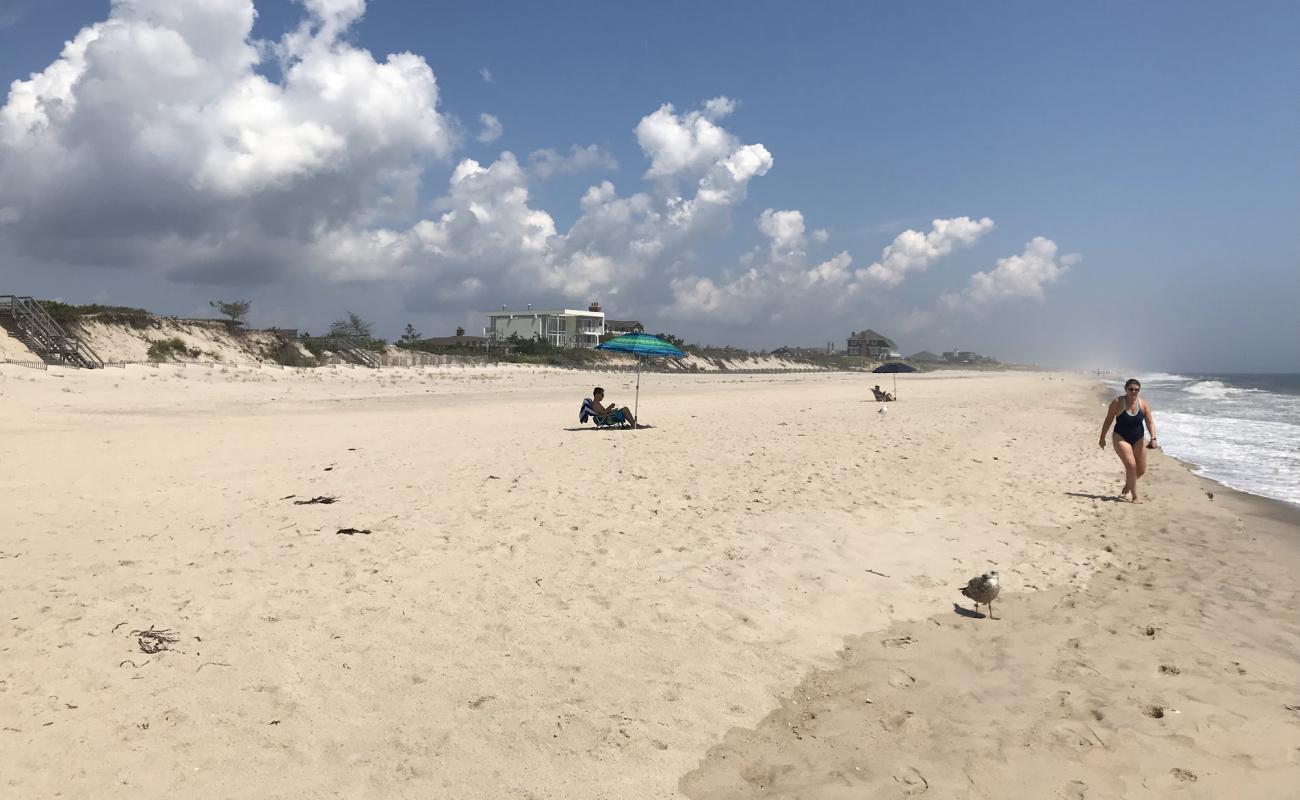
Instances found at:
x=675 y=341
x=69 y=314
x=353 y=327
x=237 y=310
x=359 y=330
x=680 y=344
x=313 y=346
x=168 y=349
x=410 y=337
x=289 y=354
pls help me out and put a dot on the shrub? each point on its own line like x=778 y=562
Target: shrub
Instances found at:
x=287 y=354
x=313 y=346
x=353 y=327
x=64 y=313
x=167 y=349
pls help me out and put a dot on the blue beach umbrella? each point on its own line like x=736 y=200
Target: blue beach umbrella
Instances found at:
x=895 y=367
x=643 y=346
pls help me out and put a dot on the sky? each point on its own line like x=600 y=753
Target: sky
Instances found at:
x=1110 y=185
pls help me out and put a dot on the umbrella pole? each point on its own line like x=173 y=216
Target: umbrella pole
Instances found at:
x=636 y=404
x=895 y=385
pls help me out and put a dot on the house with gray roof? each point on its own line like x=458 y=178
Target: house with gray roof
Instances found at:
x=870 y=344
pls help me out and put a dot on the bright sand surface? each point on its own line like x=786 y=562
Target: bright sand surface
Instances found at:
x=755 y=598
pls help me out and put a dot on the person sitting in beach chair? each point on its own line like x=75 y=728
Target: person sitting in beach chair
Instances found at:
x=881 y=396
x=604 y=416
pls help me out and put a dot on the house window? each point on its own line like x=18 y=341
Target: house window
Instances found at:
x=553 y=330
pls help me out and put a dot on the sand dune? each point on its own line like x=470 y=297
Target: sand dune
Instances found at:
x=542 y=611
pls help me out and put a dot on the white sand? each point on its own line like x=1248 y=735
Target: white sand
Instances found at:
x=537 y=611
x=13 y=350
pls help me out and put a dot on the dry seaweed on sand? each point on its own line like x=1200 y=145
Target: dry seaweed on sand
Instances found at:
x=351 y=531
x=323 y=500
x=155 y=641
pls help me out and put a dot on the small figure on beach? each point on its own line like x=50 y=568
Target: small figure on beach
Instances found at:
x=1129 y=412
x=983 y=589
x=605 y=415
x=881 y=395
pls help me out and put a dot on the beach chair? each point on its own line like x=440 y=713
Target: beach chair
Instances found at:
x=611 y=420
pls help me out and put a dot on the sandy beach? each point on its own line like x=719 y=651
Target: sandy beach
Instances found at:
x=754 y=598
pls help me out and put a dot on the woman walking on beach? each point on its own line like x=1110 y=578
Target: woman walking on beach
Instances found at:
x=1129 y=412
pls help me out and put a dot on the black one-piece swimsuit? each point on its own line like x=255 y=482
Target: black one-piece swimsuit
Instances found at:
x=1131 y=427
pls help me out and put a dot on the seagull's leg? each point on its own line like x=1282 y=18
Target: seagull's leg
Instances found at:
x=990 y=605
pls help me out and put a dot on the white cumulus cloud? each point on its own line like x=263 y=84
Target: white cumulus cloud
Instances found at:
x=781 y=281
x=154 y=131
x=160 y=134
x=689 y=143
x=913 y=250
x=773 y=282
x=488 y=244
x=547 y=161
x=1015 y=277
x=490 y=128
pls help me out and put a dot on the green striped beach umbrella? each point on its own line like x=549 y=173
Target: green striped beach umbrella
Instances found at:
x=641 y=345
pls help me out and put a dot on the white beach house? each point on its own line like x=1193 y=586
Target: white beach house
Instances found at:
x=562 y=327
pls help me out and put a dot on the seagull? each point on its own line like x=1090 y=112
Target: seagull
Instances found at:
x=983 y=589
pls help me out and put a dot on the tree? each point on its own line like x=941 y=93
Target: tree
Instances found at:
x=235 y=309
x=410 y=337
x=353 y=327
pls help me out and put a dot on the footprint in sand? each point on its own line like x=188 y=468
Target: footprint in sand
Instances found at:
x=893 y=722
x=900 y=641
x=1183 y=775
x=912 y=781
x=1074 y=790
x=901 y=680
x=1155 y=712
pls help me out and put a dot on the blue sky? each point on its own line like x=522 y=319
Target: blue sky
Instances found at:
x=1156 y=141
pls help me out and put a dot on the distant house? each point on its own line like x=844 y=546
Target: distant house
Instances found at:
x=967 y=357
x=924 y=356
x=870 y=344
x=459 y=340
x=562 y=327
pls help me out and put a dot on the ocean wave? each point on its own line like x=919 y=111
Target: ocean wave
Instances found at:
x=1216 y=390
x=1165 y=377
x=1257 y=456
x=1211 y=389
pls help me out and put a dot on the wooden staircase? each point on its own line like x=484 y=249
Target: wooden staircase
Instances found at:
x=31 y=324
x=348 y=349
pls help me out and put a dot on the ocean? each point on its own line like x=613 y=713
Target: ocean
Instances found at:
x=1240 y=430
